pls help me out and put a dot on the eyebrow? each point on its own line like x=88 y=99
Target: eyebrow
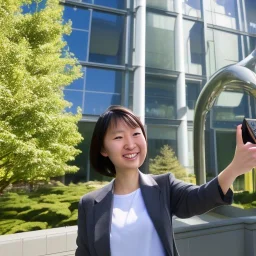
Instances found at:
x=117 y=131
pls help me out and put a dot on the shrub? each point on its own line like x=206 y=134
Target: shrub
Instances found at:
x=244 y=197
x=254 y=203
x=7 y=225
x=71 y=221
x=44 y=205
x=8 y=214
x=27 y=226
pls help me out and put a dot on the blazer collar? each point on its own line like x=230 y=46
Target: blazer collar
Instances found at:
x=103 y=214
x=102 y=220
x=157 y=210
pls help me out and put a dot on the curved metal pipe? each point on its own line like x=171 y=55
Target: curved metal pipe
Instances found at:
x=237 y=77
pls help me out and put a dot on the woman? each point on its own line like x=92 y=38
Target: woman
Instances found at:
x=132 y=215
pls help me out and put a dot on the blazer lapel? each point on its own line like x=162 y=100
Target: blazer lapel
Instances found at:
x=154 y=203
x=102 y=220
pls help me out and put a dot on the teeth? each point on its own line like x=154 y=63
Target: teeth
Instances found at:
x=130 y=155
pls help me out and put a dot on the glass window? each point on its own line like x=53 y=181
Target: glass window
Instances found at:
x=220 y=51
x=75 y=97
x=78 y=43
x=103 y=80
x=194 y=47
x=80 y=17
x=250 y=6
x=103 y=88
x=192 y=92
x=190 y=151
x=158 y=136
x=82 y=161
x=107 y=38
x=118 y=4
x=192 y=8
x=97 y=103
x=249 y=44
x=222 y=13
x=160 y=41
x=166 y=5
x=77 y=84
x=160 y=98
x=34 y=6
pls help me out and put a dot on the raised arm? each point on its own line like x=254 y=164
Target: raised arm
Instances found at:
x=188 y=200
x=244 y=160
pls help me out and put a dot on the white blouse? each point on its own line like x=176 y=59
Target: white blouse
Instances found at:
x=132 y=231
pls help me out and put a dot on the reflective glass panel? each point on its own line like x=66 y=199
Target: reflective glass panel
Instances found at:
x=194 y=47
x=192 y=92
x=250 y=6
x=107 y=38
x=82 y=161
x=160 y=98
x=102 y=80
x=77 y=84
x=222 y=13
x=78 y=43
x=158 y=136
x=221 y=52
x=192 y=8
x=75 y=97
x=80 y=17
x=97 y=103
x=166 y=5
x=160 y=41
x=31 y=8
x=118 y=4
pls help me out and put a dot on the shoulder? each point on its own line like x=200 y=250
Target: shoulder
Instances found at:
x=91 y=197
x=166 y=177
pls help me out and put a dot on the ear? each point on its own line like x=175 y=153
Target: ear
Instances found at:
x=103 y=152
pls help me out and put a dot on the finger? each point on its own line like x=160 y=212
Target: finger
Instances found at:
x=239 y=138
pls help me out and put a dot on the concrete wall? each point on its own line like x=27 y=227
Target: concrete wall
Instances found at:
x=54 y=242
x=236 y=237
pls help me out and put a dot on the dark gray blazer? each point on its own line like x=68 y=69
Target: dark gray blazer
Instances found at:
x=164 y=196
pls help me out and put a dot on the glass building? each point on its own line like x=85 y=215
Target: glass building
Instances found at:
x=154 y=57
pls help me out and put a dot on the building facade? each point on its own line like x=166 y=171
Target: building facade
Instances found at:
x=154 y=57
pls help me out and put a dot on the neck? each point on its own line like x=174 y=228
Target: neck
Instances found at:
x=126 y=182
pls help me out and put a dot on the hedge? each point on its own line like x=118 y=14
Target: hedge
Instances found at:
x=47 y=207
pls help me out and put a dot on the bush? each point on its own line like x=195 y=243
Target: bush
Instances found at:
x=254 y=203
x=7 y=225
x=55 y=206
x=7 y=214
x=27 y=226
x=244 y=197
x=71 y=221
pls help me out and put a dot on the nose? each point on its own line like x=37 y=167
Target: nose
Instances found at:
x=129 y=144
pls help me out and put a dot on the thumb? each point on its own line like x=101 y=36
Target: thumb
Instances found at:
x=239 y=138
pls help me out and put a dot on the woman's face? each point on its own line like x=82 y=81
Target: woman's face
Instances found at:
x=125 y=146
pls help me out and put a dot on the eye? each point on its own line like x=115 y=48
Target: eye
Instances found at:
x=136 y=134
x=118 y=138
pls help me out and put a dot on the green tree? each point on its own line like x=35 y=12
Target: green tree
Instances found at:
x=167 y=162
x=37 y=135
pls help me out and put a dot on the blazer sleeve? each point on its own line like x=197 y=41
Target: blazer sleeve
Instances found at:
x=82 y=241
x=188 y=200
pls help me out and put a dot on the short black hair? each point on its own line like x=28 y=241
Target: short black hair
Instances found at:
x=102 y=164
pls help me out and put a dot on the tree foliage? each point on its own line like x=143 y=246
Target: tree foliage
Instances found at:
x=167 y=162
x=37 y=135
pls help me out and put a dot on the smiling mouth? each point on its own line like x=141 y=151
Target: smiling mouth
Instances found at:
x=130 y=156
